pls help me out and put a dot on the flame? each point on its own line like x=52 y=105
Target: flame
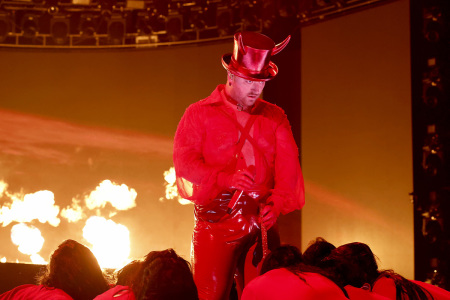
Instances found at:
x=171 y=187
x=29 y=240
x=3 y=260
x=3 y=187
x=37 y=259
x=119 y=196
x=73 y=213
x=37 y=206
x=24 y=209
x=110 y=241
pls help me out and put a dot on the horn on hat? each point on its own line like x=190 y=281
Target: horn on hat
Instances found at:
x=241 y=45
x=281 y=46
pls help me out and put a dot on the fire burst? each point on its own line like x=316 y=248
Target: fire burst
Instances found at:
x=37 y=206
x=110 y=241
x=171 y=187
x=29 y=240
x=119 y=196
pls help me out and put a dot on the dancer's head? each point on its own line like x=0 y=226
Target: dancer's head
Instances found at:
x=74 y=269
x=282 y=257
x=164 y=276
x=353 y=264
x=127 y=273
x=317 y=250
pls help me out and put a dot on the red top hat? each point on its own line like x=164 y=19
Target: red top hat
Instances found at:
x=251 y=56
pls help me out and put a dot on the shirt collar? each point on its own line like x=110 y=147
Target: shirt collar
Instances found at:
x=218 y=97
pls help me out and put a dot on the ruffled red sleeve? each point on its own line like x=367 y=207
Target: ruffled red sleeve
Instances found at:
x=196 y=180
x=288 y=193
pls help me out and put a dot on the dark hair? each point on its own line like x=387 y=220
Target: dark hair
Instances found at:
x=352 y=264
x=290 y=258
x=281 y=257
x=317 y=250
x=164 y=275
x=126 y=274
x=75 y=270
x=405 y=287
x=355 y=264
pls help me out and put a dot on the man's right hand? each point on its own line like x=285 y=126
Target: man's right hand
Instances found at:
x=240 y=180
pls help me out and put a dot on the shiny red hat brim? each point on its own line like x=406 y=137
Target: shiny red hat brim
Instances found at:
x=271 y=71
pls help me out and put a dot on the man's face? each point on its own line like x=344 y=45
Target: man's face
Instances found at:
x=244 y=91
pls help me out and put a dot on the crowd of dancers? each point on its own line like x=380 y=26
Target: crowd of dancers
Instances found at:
x=322 y=271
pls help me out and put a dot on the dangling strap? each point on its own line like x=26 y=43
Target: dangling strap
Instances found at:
x=264 y=242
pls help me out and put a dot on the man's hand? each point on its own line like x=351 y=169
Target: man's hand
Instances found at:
x=268 y=217
x=241 y=180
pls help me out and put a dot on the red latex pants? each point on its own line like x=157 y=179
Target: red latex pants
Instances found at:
x=220 y=243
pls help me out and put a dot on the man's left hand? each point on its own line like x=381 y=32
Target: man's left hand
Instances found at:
x=268 y=217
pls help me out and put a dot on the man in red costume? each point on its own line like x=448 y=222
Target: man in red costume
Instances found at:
x=236 y=159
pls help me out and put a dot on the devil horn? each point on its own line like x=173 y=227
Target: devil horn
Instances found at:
x=241 y=45
x=281 y=45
